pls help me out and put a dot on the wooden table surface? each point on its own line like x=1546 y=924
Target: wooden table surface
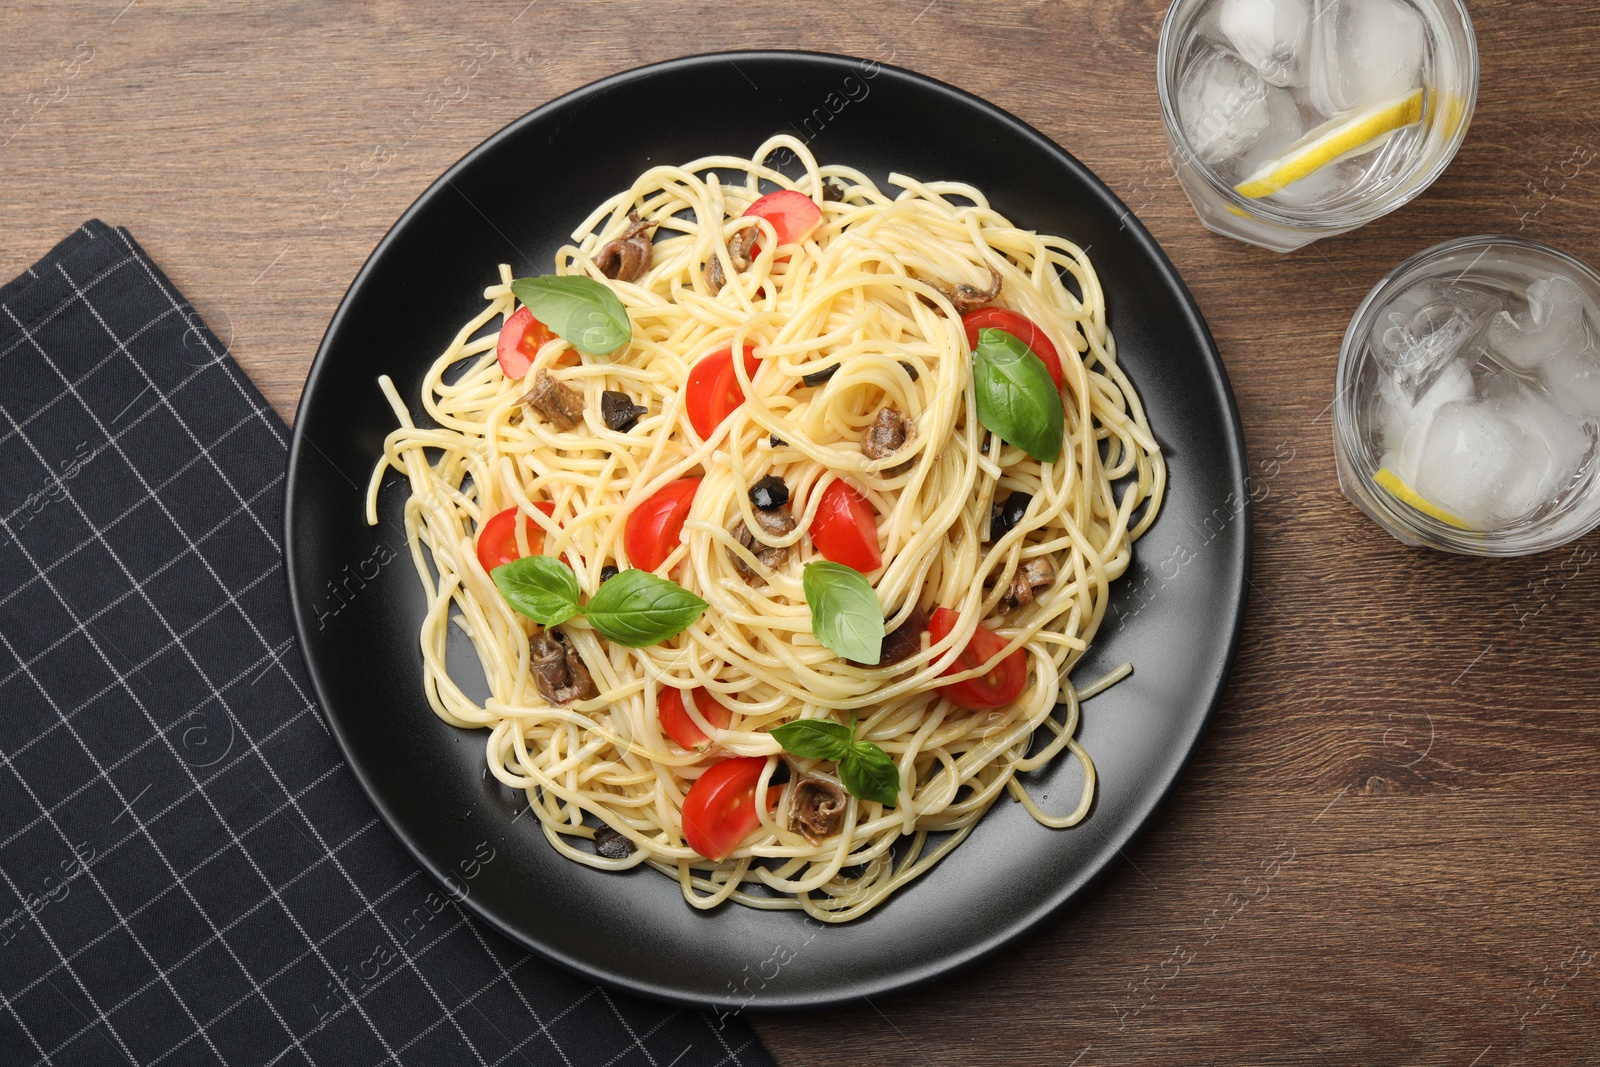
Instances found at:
x=1385 y=850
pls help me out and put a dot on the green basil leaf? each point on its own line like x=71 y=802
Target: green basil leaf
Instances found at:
x=869 y=773
x=637 y=608
x=815 y=738
x=581 y=311
x=541 y=587
x=845 y=614
x=1016 y=398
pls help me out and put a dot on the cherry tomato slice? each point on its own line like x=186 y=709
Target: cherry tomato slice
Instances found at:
x=719 y=811
x=653 y=528
x=519 y=342
x=1023 y=329
x=497 y=541
x=846 y=528
x=676 y=723
x=996 y=689
x=793 y=216
x=714 y=391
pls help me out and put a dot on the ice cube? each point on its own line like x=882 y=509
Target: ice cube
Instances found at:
x=1424 y=328
x=1464 y=462
x=1272 y=36
x=1526 y=482
x=1574 y=377
x=1364 y=52
x=1552 y=323
x=1223 y=106
x=1393 y=418
x=1453 y=383
x=1409 y=413
x=1326 y=183
x=1498 y=459
x=1207 y=26
x=1550 y=444
x=1284 y=127
x=1381 y=162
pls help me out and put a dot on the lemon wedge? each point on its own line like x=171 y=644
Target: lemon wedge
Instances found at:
x=1397 y=488
x=1331 y=141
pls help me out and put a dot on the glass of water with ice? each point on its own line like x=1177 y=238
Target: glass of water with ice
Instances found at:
x=1290 y=120
x=1468 y=407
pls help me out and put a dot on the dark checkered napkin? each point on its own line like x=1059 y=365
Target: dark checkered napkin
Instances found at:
x=188 y=871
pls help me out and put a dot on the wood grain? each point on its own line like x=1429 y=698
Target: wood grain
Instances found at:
x=1385 y=849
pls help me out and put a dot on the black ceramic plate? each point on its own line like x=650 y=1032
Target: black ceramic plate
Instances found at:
x=515 y=198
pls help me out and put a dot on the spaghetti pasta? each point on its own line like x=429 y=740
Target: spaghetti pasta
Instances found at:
x=861 y=315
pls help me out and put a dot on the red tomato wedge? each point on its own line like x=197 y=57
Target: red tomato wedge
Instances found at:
x=1023 y=329
x=793 y=216
x=653 y=528
x=677 y=724
x=996 y=689
x=519 y=342
x=497 y=541
x=714 y=390
x=846 y=528
x=719 y=811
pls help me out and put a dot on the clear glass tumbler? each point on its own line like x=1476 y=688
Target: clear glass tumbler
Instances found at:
x=1291 y=120
x=1467 y=416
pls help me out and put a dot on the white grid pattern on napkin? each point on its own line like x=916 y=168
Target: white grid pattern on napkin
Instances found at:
x=233 y=898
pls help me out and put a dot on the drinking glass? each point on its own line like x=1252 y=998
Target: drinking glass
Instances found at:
x=1467 y=414
x=1292 y=120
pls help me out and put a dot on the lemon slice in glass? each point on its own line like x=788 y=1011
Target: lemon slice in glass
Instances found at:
x=1397 y=487
x=1331 y=141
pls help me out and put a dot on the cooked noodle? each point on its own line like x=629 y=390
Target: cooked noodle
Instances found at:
x=866 y=289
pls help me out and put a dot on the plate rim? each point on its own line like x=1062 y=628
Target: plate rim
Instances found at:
x=1055 y=903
